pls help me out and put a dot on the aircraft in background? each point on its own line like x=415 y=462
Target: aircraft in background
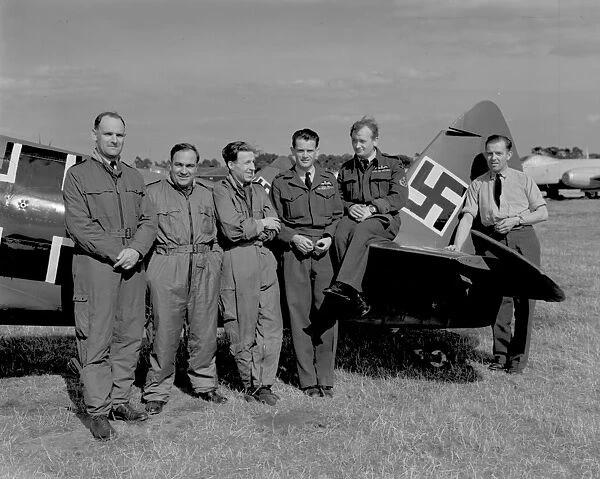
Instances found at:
x=412 y=280
x=553 y=174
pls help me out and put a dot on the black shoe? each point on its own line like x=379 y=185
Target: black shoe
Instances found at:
x=154 y=407
x=515 y=367
x=498 y=364
x=211 y=396
x=266 y=396
x=327 y=391
x=341 y=290
x=362 y=307
x=101 y=428
x=312 y=391
x=124 y=412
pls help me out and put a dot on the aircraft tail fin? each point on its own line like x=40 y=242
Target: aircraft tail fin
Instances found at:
x=439 y=176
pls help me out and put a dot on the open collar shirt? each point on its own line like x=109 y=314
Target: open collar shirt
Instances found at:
x=519 y=195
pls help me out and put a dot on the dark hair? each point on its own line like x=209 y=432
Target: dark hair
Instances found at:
x=110 y=114
x=232 y=149
x=305 y=134
x=499 y=138
x=367 y=121
x=184 y=147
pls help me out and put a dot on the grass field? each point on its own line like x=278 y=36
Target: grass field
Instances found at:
x=393 y=416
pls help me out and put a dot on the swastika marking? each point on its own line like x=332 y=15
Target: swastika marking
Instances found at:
x=435 y=195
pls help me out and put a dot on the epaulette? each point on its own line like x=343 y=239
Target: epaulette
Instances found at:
x=154 y=181
x=206 y=183
x=388 y=155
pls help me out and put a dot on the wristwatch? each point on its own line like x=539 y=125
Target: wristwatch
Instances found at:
x=372 y=209
x=521 y=220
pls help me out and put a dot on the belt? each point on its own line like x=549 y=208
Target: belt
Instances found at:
x=184 y=248
x=121 y=233
x=231 y=246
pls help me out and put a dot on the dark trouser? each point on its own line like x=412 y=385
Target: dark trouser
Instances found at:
x=351 y=246
x=109 y=322
x=314 y=336
x=251 y=310
x=171 y=304
x=514 y=347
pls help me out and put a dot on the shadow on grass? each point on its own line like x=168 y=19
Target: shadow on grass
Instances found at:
x=367 y=350
x=379 y=353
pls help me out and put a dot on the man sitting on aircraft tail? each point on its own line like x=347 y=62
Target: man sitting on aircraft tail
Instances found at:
x=508 y=202
x=112 y=222
x=373 y=188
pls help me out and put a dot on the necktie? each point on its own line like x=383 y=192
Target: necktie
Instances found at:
x=497 y=190
x=365 y=164
x=113 y=165
x=307 y=180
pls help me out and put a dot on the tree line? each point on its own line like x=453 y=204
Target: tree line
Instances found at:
x=562 y=153
x=329 y=162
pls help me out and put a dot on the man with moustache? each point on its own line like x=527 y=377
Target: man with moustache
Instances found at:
x=373 y=188
x=249 y=290
x=112 y=223
x=509 y=203
x=309 y=205
x=184 y=277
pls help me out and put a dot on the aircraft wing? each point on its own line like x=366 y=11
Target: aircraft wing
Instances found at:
x=504 y=271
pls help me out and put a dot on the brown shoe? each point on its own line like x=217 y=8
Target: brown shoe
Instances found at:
x=125 y=412
x=499 y=363
x=211 y=396
x=101 y=428
x=327 y=391
x=154 y=407
x=266 y=396
x=312 y=391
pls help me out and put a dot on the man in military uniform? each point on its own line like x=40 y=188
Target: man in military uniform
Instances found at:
x=112 y=222
x=308 y=203
x=373 y=188
x=509 y=203
x=184 y=276
x=249 y=290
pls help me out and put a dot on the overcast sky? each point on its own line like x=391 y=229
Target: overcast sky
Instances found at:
x=210 y=72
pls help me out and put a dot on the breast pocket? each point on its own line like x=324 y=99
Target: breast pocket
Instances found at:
x=350 y=188
x=103 y=204
x=294 y=204
x=380 y=184
x=206 y=219
x=133 y=196
x=325 y=201
x=170 y=221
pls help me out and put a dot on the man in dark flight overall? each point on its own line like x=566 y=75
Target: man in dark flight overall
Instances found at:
x=307 y=201
x=509 y=203
x=184 y=276
x=112 y=222
x=373 y=188
x=249 y=289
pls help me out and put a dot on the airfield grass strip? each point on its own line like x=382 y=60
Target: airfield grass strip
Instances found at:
x=393 y=415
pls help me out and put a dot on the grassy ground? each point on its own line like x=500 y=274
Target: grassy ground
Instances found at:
x=393 y=416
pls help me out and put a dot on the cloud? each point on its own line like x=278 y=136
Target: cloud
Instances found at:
x=593 y=118
x=53 y=80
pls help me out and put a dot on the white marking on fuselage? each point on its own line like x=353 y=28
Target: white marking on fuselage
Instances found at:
x=69 y=162
x=1 y=229
x=11 y=174
x=57 y=243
